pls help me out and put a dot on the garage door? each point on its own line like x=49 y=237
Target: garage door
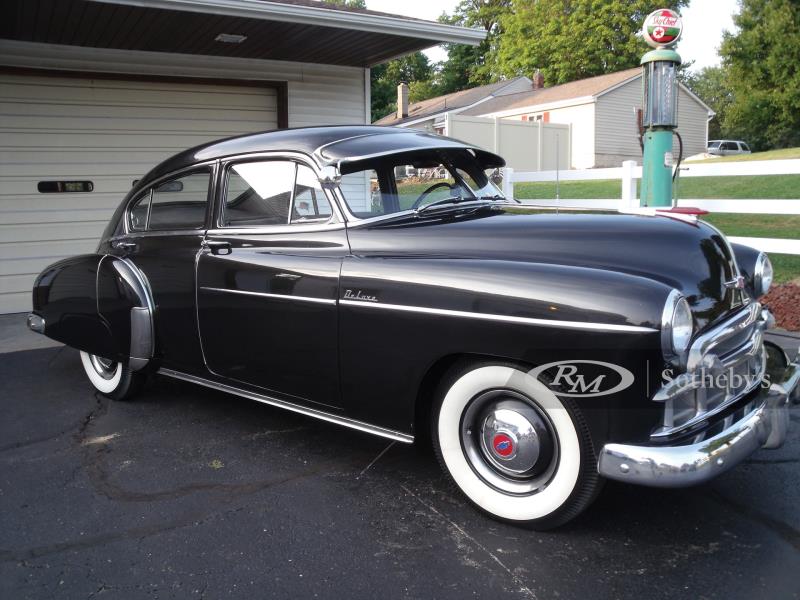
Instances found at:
x=99 y=135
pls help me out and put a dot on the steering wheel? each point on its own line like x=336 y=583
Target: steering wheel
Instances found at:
x=435 y=186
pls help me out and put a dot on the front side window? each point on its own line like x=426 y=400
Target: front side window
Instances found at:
x=413 y=180
x=273 y=192
x=178 y=203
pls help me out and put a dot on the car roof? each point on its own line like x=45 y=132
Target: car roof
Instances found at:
x=327 y=145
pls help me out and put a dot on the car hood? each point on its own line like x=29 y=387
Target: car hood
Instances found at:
x=692 y=257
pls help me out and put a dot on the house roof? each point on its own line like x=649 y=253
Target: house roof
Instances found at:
x=448 y=102
x=592 y=86
x=290 y=30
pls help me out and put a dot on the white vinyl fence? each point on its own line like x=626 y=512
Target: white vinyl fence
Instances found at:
x=527 y=145
x=629 y=172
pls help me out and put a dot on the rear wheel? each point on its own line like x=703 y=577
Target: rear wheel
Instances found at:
x=516 y=450
x=112 y=379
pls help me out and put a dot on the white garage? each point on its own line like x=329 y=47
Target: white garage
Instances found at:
x=93 y=93
x=72 y=147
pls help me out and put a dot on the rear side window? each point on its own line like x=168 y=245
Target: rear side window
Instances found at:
x=179 y=203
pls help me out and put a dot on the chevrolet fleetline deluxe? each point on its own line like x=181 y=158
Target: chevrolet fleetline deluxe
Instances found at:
x=377 y=278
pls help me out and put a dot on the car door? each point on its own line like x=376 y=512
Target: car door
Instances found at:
x=165 y=226
x=268 y=279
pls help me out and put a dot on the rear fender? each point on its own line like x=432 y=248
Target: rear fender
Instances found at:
x=100 y=304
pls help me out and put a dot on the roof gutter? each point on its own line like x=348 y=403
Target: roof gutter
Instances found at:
x=324 y=17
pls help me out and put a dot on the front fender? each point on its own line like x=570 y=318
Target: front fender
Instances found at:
x=401 y=315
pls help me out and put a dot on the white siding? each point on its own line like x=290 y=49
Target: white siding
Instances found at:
x=112 y=131
x=616 y=138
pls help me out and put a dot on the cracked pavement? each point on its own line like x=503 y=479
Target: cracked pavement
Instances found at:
x=191 y=493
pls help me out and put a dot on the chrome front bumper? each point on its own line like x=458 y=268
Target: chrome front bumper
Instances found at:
x=679 y=466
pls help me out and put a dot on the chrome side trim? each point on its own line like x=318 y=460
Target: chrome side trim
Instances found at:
x=309 y=412
x=268 y=295
x=502 y=318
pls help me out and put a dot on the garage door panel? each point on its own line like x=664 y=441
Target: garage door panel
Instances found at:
x=15 y=283
x=61 y=215
x=48 y=156
x=166 y=122
x=109 y=132
x=52 y=231
x=50 y=249
x=46 y=109
x=25 y=188
x=82 y=91
x=15 y=302
x=114 y=140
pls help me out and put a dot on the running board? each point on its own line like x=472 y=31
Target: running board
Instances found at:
x=309 y=412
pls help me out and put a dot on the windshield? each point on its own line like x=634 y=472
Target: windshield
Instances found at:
x=409 y=181
x=713 y=144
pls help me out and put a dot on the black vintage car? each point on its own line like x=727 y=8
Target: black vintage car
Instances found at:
x=377 y=278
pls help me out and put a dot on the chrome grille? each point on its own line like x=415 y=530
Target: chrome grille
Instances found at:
x=723 y=365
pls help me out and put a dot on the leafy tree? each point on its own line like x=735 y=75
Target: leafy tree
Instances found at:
x=571 y=39
x=762 y=62
x=385 y=78
x=711 y=85
x=466 y=65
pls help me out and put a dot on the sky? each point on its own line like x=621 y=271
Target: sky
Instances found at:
x=703 y=24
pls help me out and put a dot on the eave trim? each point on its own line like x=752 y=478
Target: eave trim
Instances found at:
x=324 y=17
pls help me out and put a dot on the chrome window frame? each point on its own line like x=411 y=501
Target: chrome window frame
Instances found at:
x=336 y=221
x=212 y=165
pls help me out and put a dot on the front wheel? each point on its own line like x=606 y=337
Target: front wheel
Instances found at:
x=112 y=379
x=513 y=448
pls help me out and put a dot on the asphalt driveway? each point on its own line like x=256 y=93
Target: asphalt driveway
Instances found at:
x=189 y=493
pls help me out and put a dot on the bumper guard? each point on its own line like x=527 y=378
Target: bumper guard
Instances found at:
x=680 y=466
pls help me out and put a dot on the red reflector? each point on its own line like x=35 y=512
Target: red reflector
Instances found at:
x=683 y=210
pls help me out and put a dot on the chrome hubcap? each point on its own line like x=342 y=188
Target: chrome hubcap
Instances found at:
x=103 y=366
x=509 y=442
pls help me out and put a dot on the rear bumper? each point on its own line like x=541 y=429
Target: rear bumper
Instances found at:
x=679 y=466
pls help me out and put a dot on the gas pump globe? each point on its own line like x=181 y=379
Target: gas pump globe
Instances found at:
x=661 y=30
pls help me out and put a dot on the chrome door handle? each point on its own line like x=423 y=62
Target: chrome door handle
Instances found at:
x=125 y=247
x=217 y=246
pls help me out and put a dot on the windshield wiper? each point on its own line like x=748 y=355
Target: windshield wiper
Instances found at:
x=445 y=201
x=498 y=197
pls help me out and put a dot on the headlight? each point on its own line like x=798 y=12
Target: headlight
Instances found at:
x=762 y=275
x=677 y=326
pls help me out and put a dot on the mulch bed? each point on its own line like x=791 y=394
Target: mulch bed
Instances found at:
x=784 y=302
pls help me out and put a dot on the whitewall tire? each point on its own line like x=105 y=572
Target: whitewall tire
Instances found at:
x=112 y=379
x=513 y=447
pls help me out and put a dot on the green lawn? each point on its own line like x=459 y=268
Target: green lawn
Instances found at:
x=755 y=186
x=787 y=267
x=755 y=225
x=769 y=155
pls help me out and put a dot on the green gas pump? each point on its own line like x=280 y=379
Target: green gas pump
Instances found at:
x=661 y=30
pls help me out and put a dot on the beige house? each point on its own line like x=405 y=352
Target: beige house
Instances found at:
x=601 y=113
